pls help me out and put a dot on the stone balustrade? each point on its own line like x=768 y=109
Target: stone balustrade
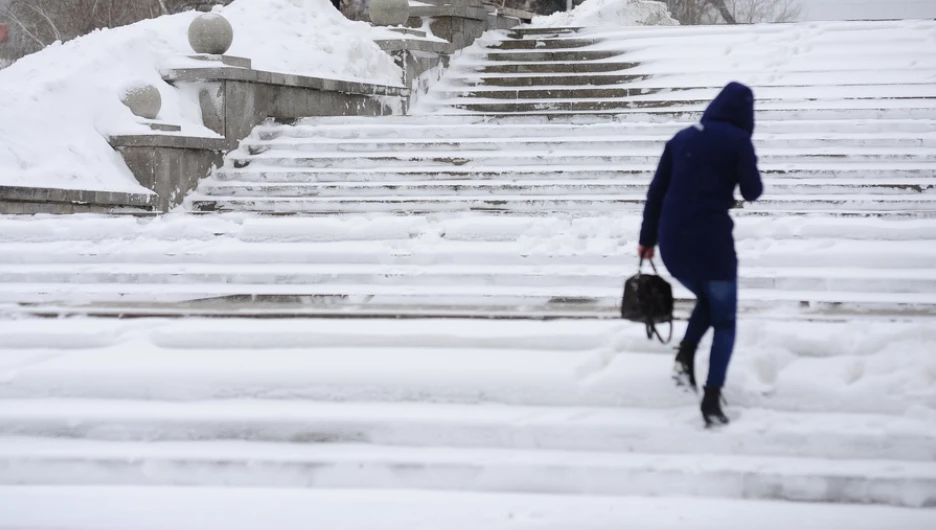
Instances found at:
x=234 y=98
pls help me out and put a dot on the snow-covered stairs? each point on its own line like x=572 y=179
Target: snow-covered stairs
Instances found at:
x=580 y=165
x=516 y=194
x=497 y=407
x=571 y=120
x=512 y=211
x=826 y=69
x=454 y=265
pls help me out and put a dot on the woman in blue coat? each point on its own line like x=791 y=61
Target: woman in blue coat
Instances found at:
x=687 y=214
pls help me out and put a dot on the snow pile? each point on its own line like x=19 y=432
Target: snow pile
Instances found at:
x=60 y=104
x=310 y=37
x=609 y=13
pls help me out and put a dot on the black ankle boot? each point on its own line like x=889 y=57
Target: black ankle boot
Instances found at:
x=684 y=368
x=711 y=407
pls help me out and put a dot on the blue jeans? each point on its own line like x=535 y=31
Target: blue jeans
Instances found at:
x=716 y=307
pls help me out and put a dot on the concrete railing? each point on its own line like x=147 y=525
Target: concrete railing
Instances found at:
x=234 y=98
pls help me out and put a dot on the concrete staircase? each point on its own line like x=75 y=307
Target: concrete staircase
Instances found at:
x=516 y=193
x=822 y=71
x=501 y=199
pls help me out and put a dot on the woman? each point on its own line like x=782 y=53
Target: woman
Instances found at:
x=687 y=214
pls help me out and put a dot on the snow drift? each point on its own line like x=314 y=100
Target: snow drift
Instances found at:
x=610 y=12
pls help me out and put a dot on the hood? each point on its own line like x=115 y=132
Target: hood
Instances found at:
x=734 y=105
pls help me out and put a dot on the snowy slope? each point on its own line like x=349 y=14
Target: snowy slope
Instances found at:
x=61 y=104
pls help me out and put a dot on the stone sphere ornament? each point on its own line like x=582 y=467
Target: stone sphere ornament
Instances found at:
x=389 y=12
x=210 y=33
x=144 y=101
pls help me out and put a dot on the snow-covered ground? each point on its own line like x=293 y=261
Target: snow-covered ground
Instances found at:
x=61 y=104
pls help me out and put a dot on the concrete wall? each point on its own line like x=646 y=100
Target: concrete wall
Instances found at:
x=171 y=166
x=416 y=58
x=233 y=101
x=24 y=200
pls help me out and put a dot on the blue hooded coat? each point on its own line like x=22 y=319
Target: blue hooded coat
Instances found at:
x=687 y=206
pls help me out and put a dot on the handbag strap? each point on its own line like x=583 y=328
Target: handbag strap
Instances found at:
x=652 y=330
x=652 y=265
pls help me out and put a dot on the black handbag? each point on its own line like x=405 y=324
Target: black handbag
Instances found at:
x=648 y=299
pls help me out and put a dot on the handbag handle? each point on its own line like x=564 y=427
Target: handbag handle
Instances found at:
x=652 y=265
x=652 y=330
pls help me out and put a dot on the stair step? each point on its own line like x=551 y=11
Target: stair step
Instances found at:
x=578 y=67
x=294 y=509
x=679 y=77
x=36 y=461
x=550 y=44
x=858 y=174
x=723 y=68
x=764 y=95
x=569 y=56
x=285 y=307
x=205 y=277
x=913 y=107
x=470 y=78
x=557 y=92
x=782 y=365
x=266 y=307
x=483 y=128
x=521 y=32
x=580 y=142
x=563 y=122
x=443 y=110
x=460 y=298
x=894 y=207
x=194 y=232
x=481 y=159
x=757 y=247
x=537 y=187
x=612 y=430
x=849 y=279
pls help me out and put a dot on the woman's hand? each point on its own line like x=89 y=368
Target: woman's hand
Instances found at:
x=645 y=252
